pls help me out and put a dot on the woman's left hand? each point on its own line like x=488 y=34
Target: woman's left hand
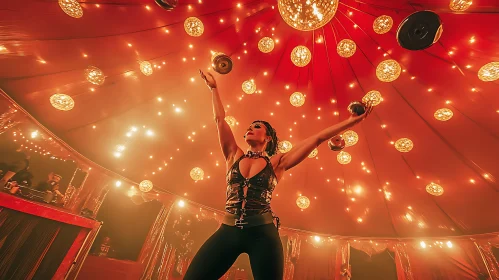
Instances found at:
x=356 y=119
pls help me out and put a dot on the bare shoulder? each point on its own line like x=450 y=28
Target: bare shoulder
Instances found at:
x=230 y=161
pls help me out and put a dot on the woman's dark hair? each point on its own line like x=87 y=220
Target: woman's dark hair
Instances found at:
x=271 y=148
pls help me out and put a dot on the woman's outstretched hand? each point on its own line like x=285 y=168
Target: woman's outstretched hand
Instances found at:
x=356 y=119
x=209 y=80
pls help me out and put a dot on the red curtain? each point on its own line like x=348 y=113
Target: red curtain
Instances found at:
x=317 y=259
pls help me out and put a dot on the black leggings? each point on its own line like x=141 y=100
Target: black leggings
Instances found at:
x=220 y=251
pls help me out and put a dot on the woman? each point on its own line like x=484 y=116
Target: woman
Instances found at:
x=251 y=177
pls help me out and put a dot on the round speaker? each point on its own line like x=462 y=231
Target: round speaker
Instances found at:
x=356 y=108
x=222 y=64
x=419 y=30
x=337 y=143
x=167 y=4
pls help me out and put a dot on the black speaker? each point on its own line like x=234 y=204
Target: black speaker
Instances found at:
x=222 y=64
x=419 y=31
x=167 y=4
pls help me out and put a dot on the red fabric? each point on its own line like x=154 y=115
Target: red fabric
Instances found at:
x=316 y=261
x=97 y=268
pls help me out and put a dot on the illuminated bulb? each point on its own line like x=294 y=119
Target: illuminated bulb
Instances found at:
x=117 y=154
x=301 y=56
x=359 y=220
x=197 y=174
x=449 y=244
x=193 y=26
x=489 y=72
x=284 y=146
x=434 y=189
x=71 y=7
x=351 y=138
x=145 y=186
x=460 y=5
x=181 y=203
x=34 y=134
x=373 y=97
x=62 y=102
x=388 y=70
x=382 y=24
x=303 y=202
x=146 y=68
x=249 y=87
x=231 y=121
x=346 y=48
x=297 y=99
x=307 y=15
x=443 y=114
x=317 y=238
x=94 y=75
x=313 y=153
x=422 y=244
x=266 y=45
x=344 y=157
x=120 y=148
x=404 y=145
x=149 y=132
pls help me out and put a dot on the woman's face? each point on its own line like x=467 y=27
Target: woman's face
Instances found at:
x=256 y=132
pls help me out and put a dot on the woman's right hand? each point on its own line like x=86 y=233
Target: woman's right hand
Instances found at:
x=209 y=80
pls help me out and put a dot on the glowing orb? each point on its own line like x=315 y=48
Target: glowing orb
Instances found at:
x=443 y=114
x=373 y=97
x=145 y=186
x=346 y=48
x=197 y=174
x=146 y=68
x=95 y=75
x=383 y=24
x=460 y=5
x=266 y=45
x=306 y=15
x=284 y=146
x=388 y=70
x=351 y=138
x=404 y=145
x=303 y=202
x=301 y=56
x=434 y=189
x=62 y=102
x=249 y=87
x=489 y=72
x=71 y=7
x=297 y=99
x=344 y=157
x=194 y=26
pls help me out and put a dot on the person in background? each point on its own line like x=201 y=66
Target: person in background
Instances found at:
x=23 y=177
x=51 y=185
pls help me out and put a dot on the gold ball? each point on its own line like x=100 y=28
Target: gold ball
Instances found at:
x=404 y=145
x=145 y=186
x=346 y=48
x=303 y=202
x=443 y=114
x=313 y=153
x=194 y=26
x=249 y=86
x=306 y=15
x=460 y=5
x=388 y=70
x=301 y=56
x=489 y=72
x=62 y=102
x=373 y=97
x=197 y=174
x=344 y=157
x=71 y=7
x=284 y=146
x=297 y=99
x=383 y=24
x=351 y=138
x=266 y=45
x=434 y=189
x=231 y=121
x=95 y=75
x=146 y=68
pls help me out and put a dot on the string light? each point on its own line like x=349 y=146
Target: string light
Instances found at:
x=306 y=15
x=266 y=45
x=62 y=102
x=71 y=7
x=301 y=56
x=193 y=26
x=382 y=24
x=388 y=70
x=346 y=48
x=297 y=99
x=443 y=114
x=404 y=145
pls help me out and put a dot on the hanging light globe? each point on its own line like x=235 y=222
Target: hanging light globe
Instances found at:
x=404 y=145
x=197 y=174
x=344 y=157
x=383 y=24
x=71 y=7
x=62 y=102
x=297 y=99
x=460 y=5
x=373 y=97
x=306 y=15
x=249 y=87
x=231 y=121
x=146 y=68
x=346 y=48
x=434 y=189
x=266 y=45
x=351 y=138
x=301 y=56
x=145 y=186
x=94 y=75
x=302 y=202
x=313 y=153
x=489 y=72
x=388 y=70
x=284 y=146
x=194 y=26
x=443 y=114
